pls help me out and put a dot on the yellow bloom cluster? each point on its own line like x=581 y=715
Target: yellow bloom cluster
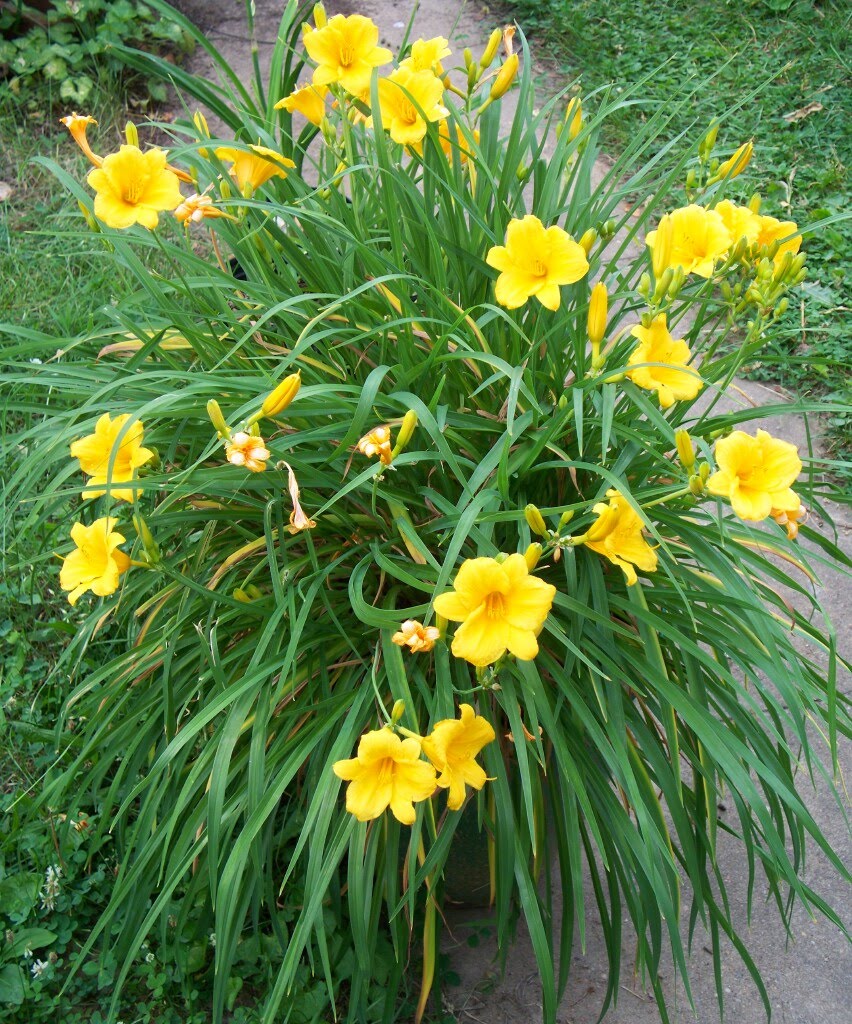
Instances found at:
x=388 y=771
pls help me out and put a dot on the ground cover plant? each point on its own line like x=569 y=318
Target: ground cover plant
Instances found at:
x=399 y=497
x=796 y=53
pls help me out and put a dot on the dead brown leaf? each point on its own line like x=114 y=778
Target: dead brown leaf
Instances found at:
x=802 y=112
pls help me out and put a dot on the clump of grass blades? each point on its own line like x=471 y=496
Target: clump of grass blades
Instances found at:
x=255 y=658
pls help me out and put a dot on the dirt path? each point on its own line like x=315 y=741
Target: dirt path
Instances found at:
x=807 y=984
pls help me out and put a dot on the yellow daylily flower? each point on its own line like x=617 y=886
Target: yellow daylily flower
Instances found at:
x=783 y=231
x=387 y=772
x=675 y=381
x=416 y=637
x=78 y=125
x=501 y=607
x=132 y=187
x=617 y=535
x=402 y=95
x=452 y=747
x=739 y=221
x=252 y=167
x=377 y=442
x=535 y=261
x=309 y=101
x=427 y=54
x=346 y=51
x=96 y=564
x=109 y=461
x=756 y=474
x=699 y=239
x=247 y=450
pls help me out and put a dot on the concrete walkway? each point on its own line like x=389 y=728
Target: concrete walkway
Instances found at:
x=809 y=982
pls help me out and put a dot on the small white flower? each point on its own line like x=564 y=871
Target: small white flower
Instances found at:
x=39 y=967
x=212 y=939
x=149 y=958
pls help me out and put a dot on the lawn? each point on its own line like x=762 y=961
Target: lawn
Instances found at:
x=780 y=75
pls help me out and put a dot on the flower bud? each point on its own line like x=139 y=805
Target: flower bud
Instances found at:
x=200 y=122
x=505 y=77
x=278 y=400
x=661 y=253
x=587 y=240
x=320 y=19
x=151 y=547
x=406 y=429
x=225 y=189
x=705 y=147
x=663 y=284
x=89 y=218
x=704 y=472
x=644 y=286
x=685 y=451
x=754 y=203
x=468 y=57
x=678 y=277
x=735 y=166
x=239 y=594
x=608 y=229
x=535 y=520
x=532 y=555
x=574 y=117
x=596 y=319
x=781 y=308
x=691 y=178
x=398 y=711
x=490 y=52
x=217 y=419
x=696 y=486
x=131 y=133
x=566 y=518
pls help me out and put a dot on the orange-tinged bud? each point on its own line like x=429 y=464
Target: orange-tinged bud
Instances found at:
x=278 y=400
x=505 y=77
x=598 y=307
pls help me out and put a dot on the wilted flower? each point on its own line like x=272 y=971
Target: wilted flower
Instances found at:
x=346 y=51
x=427 y=54
x=699 y=239
x=309 y=101
x=78 y=125
x=535 y=261
x=377 y=442
x=298 y=520
x=791 y=519
x=132 y=187
x=617 y=535
x=674 y=380
x=416 y=637
x=96 y=564
x=387 y=772
x=501 y=607
x=402 y=97
x=756 y=474
x=110 y=461
x=253 y=167
x=452 y=747
x=249 y=450
x=197 y=207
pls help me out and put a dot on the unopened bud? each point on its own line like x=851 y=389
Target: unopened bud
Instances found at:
x=587 y=240
x=320 y=19
x=685 y=451
x=278 y=400
x=468 y=57
x=89 y=218
x=240 y=595
x=691 y=178
x=596 y=319
x=663 y=283
x=735 y=166
x=535 y=520
x=200 y=122
x=532 y=555
x=398 y=711
x=706 y=145
x=131 y=134
x=406 y=430
x=782 y=308
x=704 y=472
x=217 y=419
x=151 y=547
x=678 y=277
x=644 y=286
x=574 y=117
x=505 y=77
x=661 y=253
x=566 y=518
x=696 y=486
x=754 y=203
x=490 y=52
x=225 y=189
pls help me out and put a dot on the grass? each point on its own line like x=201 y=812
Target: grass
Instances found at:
x=796 y=52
